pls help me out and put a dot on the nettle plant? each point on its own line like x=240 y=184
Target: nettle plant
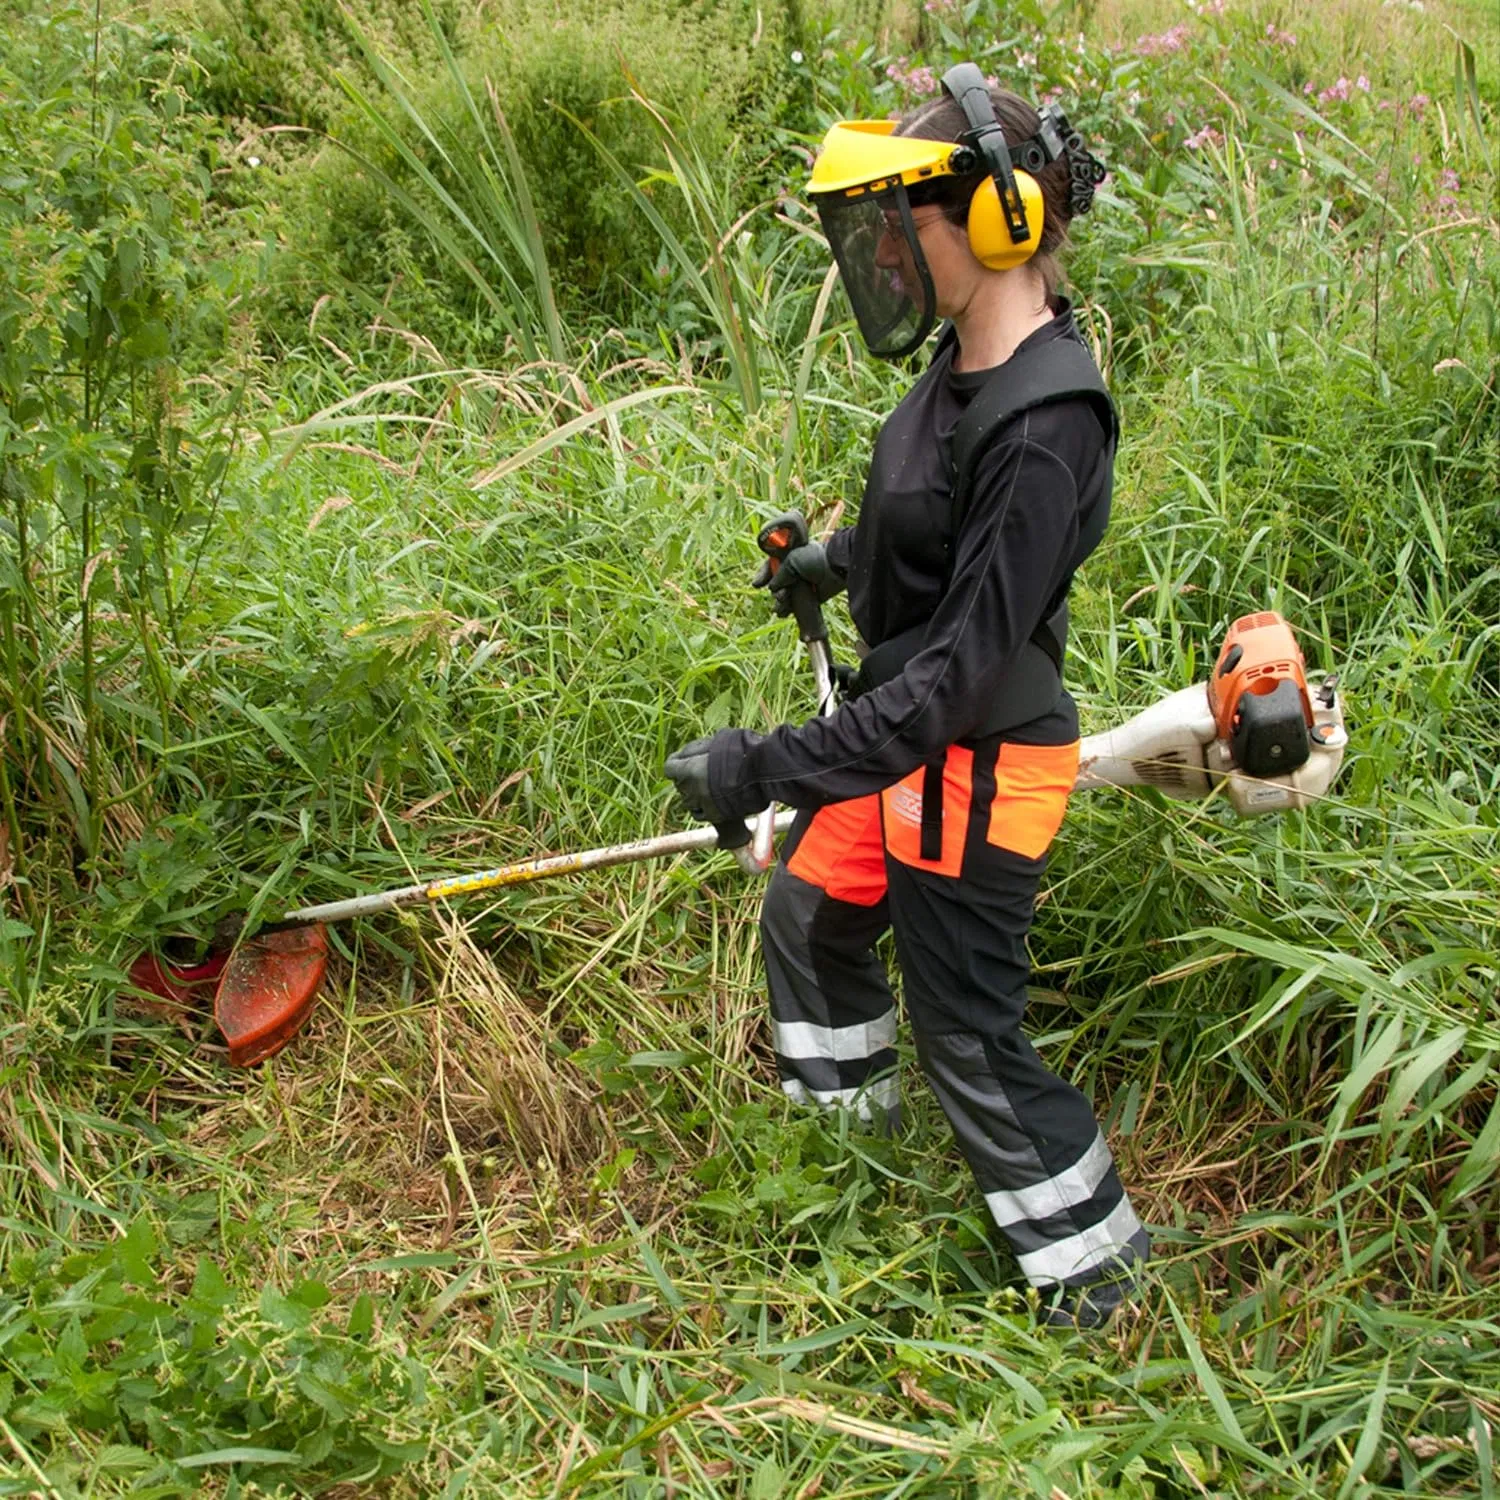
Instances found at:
x=165 y=1377
x=108 y=281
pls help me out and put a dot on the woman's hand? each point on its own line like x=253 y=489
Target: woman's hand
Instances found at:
x=807 y=564
x=687 y=770
x=707 y=775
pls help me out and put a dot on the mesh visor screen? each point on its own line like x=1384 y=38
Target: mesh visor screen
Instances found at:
x=884 y=272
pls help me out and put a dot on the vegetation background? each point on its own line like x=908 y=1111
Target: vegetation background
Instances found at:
x=389 y=395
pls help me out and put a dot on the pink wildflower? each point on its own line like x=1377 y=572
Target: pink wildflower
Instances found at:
x=1025 y=59
x=919 y=80
x=1362 y=84
x=1208 y=136
x=1417 y=104
x=1338 y=90
x=1162 y=42
x=1278 y=38
x=1307 y=87
x=1449 y=180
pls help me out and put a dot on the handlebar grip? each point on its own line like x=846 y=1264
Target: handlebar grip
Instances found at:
x=779 y=536
x=809 y=614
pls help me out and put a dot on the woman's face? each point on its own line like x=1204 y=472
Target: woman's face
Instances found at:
x=945 y=247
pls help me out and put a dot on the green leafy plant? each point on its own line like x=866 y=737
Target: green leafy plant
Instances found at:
x=107 y=466
x=165 y=1384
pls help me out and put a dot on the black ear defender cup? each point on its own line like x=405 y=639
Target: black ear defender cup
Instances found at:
x=1006 y=212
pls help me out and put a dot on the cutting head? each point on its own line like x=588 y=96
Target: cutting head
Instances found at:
x=267 y=990
x=163 y=986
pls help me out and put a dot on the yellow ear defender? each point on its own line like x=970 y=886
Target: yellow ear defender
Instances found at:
x=1006 y=211
x=989 y=236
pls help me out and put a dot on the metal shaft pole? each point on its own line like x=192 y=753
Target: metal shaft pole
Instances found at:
x=522 y=873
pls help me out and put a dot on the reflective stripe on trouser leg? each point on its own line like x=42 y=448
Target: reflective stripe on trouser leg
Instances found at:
x=960 y=925
x=1062 y=1209
x=833 y=1022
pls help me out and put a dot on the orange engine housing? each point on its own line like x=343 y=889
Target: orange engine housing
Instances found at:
x=1258 y=654
x=1258 y=694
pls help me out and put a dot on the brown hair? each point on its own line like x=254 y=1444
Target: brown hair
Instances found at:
x=943 y=119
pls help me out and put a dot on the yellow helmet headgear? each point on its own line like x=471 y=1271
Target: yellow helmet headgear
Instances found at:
x=861 y=182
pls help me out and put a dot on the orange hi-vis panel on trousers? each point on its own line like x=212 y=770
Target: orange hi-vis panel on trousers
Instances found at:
x=1032 y=783
x=841 y=852
x=903 y=805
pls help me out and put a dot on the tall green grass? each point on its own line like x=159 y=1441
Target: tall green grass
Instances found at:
x=519 y=1213
x=476 y=202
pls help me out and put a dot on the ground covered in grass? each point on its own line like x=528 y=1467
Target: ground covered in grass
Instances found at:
x=311 y=583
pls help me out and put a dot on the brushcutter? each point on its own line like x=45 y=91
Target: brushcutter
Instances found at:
x=1256 y=732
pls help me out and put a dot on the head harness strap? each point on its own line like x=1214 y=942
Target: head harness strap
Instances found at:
x=986 y=139
x=1055 y=139
x=1085 y=170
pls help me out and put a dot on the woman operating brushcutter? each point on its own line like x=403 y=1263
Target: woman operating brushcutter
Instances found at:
x=929 y=799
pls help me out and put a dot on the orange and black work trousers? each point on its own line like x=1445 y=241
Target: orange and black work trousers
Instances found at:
x=949 y=859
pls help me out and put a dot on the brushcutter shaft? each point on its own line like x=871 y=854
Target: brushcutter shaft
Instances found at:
x=522 y=873
x=1171 y=746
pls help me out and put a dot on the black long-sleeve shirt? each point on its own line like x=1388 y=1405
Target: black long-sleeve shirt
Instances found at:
x=1038 y=505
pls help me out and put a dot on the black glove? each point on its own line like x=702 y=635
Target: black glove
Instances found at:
x=806 y=564
x=847 y=680
x=687 y=770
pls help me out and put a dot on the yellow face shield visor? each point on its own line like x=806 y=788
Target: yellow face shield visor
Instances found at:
x=868 y=156
x=859 y=185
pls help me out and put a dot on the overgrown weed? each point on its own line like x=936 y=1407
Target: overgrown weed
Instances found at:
x=520 y=1205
